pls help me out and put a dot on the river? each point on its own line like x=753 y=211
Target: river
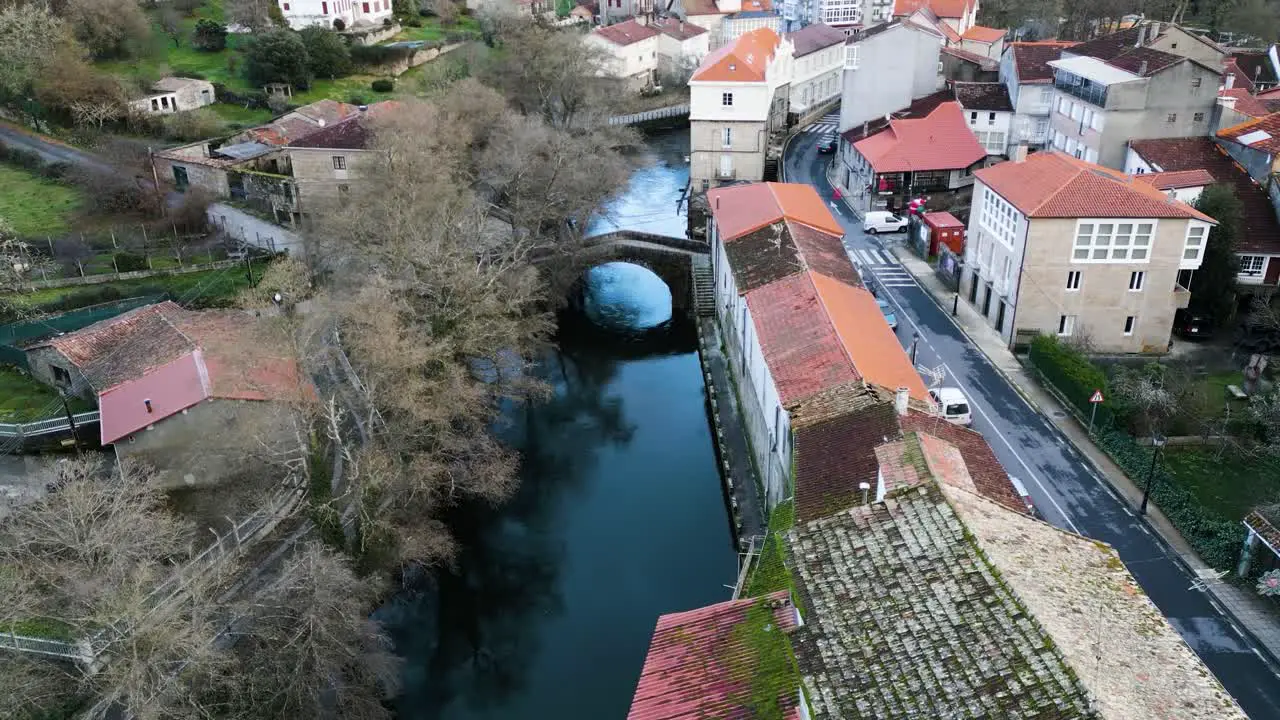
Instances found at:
x=619 y=518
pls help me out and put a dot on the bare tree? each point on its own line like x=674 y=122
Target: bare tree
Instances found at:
x=1153 y=395
x=96 y=113
x=17 y=261
x=171 y=23
x=254 y=15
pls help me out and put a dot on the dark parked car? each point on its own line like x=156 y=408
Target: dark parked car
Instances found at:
x=1192 y=326
x=827 y=144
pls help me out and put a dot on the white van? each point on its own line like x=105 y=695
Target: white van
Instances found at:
x=878 y=221
x=953 y=405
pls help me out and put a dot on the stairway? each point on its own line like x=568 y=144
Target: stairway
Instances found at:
x=704 y=287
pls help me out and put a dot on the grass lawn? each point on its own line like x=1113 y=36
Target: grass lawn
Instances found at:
x=432 y=29
x=1229 y=486
x=240 y=115
x=205 y=288
x=35 y=206
x=23 y=398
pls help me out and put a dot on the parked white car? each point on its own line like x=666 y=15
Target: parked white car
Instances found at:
x=878 y=221
x=953 y=405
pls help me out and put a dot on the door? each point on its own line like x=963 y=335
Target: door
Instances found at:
x=986 y=301
x=726 y=166
x=1000 y=317
x=180 y=180
x=973 y=290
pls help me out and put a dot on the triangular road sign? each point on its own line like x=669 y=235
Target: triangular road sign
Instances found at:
x=1096 y=397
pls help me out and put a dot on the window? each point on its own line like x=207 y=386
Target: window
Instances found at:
x=1129 y=322
x=973 y=117
x=1066 y=325
x=1091 y=155
x=1098 y=241
x=324 y=8
x=991 y=118
x=366 y=7
x=998 y=217
x=1073 y=280
x=339 y=162
x=60 y=376
x=1194 y=247
x=1252 y=264
x=1077 y=111
x=1198 y=117
x=285 y=6
x=726 y=99
x=1195 y=82
x=1088 y=119
x=728 y=137
x=851 y=57
x=1136 y=278
x=1097 y=122
x=1172 y=117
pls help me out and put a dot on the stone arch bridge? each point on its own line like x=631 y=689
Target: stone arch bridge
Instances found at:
x=670 y=258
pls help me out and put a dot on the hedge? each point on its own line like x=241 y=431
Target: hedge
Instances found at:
x=1070 y=372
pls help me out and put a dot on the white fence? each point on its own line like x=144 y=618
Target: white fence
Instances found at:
x=44 y=427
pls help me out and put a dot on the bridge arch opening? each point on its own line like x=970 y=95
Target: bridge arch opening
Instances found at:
x=624 y=296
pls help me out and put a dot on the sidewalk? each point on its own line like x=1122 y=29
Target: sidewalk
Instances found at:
x=1237 y=603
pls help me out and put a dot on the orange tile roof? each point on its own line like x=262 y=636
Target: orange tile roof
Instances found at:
x=1252 y=105
x=981 y=34
x=1052 y=184
x=740 y=209
x=941 y=8
x=745 y=60
x=1177 y=179
x=871 y=344
x=626 y=33
x=1269 y=139
x=939 y=141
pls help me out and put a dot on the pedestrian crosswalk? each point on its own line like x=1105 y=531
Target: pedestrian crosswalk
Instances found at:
x=873 y=258
x=826 y=124
x=882 y=267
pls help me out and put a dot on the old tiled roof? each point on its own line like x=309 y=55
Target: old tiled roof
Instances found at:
x=1260 y=229
x=986 y=35
x=353 y=133
x=739 y=209
x=951 y=9
x=744 y=60
x=989 y=477
x=1177 y=179
x=1249 y=104
x=1260 y=133
x=983 y=96
x=1133 y=663
x=783 y=248
x=982 y=61
x=1121 y=50
x=920 y=107
x=1052 y=184
x=923 y=15
x=1031 y=59
x=297 y=124
x=625 y=33
x=121 y=348
x=706 y=663
x=815 y=37
x=800 y=345
x=1252 y=67
x=835 y=437
x=677 y=28
x=824 y=253
x=908 y=619
x=939 y=141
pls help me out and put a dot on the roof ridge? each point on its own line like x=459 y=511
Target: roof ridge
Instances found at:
x=826 y=315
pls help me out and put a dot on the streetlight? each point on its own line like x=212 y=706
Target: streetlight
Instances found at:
x=1157 y=442
x=915 y=341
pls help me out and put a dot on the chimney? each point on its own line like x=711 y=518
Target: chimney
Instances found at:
x=1229 y=81
x=1142 y=68
x=900 y=400
x=1227 y=102
x=1020 y=153
x=147 y=403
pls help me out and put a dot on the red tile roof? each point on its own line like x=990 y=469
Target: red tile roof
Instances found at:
x=933 y=22
x=1260 y=229
x=169 y=389
x=1121 y=49
x=703 y=663
x=801 y=347
x=982 y=61
x=739 y=209
x=746 y=59
x=952 y=9
x=1251 y=105
x=1250 y=66
x=1051 y=184
x=1031 y=60
x=1262 y=133
x=939 y=141
x=835 y=452
x=710 y=7
x=625 y=33
x=985 y=35
x=918 y=108
x=677 y=28
x=989 y=477
x=1177 y=179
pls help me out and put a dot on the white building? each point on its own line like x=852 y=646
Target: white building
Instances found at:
x=632 y=49
x=305 y=13
x=819 y=61
x=1028 y=79
x=738 y=104
x=885 y=69
x=989 y=114
x=681 y=46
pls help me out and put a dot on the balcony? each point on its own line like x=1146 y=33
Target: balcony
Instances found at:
x=1082 y=88
x=1181 y=297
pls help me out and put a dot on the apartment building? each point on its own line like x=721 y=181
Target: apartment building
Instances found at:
x=727 y=20
x=819 y=62
x=1028 y=79
x=738 y=104
x=885 y=69
x=1062 y=246
x=631 y=48
x=989 y=114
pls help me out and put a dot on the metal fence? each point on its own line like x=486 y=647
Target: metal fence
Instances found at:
x=47 y=426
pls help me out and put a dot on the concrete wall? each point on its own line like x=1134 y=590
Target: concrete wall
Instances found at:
x=637 y=61
x=213 y=442
x=817 y=78
x=209 y=178
x=894 y=68
x=255 y=231
x=1179 y=42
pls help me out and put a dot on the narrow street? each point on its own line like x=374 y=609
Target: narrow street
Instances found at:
x=1061 y=482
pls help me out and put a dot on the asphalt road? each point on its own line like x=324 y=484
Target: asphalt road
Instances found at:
x=51 y=152
x=1061 y=482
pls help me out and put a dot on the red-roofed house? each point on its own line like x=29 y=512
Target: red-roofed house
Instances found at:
x=800 y=329
x=959 y=14
x=933 y=154
x=1061 y=246
x=632 y=47
x=1025 y=72
x=169 y=384
x=738 y=104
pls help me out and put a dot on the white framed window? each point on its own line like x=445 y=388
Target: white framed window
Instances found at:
x=991 y=118
x=1252 y=264
x=1136 y=280
x=998 y=217
x=726 y=99
x=1112 y=241
x=1097 y=122
x=1088 y=118
x=851 y=57
x=1066 y=325
x=1129 y=324
x=1197 y=234
x=728 y=137
x=1071 y=146
x=1073 y=280
x=1077 y=111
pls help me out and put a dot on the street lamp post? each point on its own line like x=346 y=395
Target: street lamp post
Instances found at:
x=915 y=340
x=1157 y=442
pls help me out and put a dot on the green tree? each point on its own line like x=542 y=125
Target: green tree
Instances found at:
x=327 y=53
x=209 y=35
x=1213 y=286
x=278 y=56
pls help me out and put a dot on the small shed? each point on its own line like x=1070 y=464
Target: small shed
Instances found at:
x=944 y=228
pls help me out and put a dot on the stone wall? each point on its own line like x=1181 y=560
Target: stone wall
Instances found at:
x=402 y=65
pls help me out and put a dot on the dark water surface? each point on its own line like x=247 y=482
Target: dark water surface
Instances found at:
x=619 y=518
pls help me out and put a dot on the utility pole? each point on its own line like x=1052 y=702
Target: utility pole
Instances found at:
x=248 y=266
x=71 y=420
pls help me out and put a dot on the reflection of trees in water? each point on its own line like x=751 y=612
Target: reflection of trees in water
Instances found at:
x=487 y=614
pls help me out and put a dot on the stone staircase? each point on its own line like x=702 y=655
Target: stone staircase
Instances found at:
x=704 y=287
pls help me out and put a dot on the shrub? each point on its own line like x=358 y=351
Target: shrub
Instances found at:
x=339 y=24
x=1068 y=370
x=57 y=170
x=386 y=22
x=128 y=262
x=383 y=85
x=358 y=100
x=21 y=158
x=327 y=53
x=413 y=21
x=248 y=99
x=279 y=56
x=209 y=36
